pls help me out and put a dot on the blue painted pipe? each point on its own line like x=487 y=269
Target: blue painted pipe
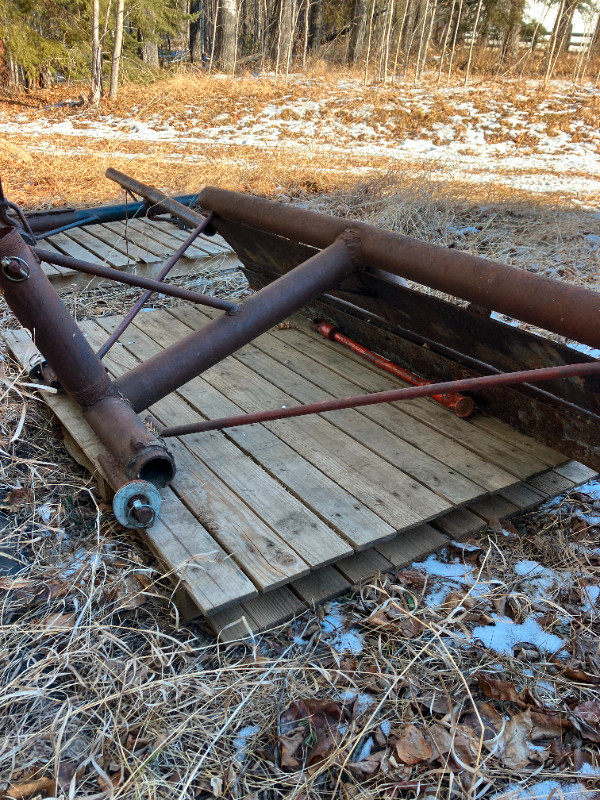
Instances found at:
x=49 y=222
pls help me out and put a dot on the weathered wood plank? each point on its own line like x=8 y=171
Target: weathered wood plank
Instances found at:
x=108 y=251
x=340 y=509
x=160 y=234
x=459 y=524
x=411 y=545
x=271 y=609
x=508 y=456
x=320 y=585
x=259 y=551
x=431 y=470
x=576 y=472
x=313 y=541
x=552 y=483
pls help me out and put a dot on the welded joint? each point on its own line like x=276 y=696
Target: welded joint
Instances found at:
x=351 y=238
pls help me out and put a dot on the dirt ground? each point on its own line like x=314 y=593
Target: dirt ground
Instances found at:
x=474 y=674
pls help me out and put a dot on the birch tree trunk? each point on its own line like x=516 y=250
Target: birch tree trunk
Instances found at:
x=117 y=50
x=473 y=37
x=228 y=35
x=96 y=81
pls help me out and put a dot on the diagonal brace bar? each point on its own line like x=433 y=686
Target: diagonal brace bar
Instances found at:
x=135 y=280
x=170 y=369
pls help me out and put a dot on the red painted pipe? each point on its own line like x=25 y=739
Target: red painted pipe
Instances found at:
x=462 y=405
x=389 y=396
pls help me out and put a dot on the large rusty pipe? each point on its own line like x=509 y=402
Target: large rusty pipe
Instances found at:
x=183 y=361
x=158 y=199
x=135 y=451
x=569 y=310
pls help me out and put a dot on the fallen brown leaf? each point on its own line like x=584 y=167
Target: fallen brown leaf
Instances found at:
x=16 y=499
x=310 y=731
x=586 y=718
x=412 y=747
x=513 y=750
x=497 y=689
x=578 y=674
x=58 y=622
x=43 y=786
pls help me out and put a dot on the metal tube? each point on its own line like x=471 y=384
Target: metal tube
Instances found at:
x=572 y=311
x=462 y=406
x=117 y=275
x=132 y=314
x=166 y=371
x=54 y=219
x=136 y=452
x=158 y=199
x=389 y=396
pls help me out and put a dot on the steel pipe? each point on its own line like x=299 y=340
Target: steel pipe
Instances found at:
x=46 y=223
x=388 y=396
x=569 y=310
x=170 y=369
x=135 y=452
x=50 y=257
x=159 y=200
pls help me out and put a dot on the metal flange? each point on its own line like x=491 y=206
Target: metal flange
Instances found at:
x=137 y=504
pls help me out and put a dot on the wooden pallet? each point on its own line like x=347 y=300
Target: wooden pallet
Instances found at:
x=263 y=520
x=141 y=246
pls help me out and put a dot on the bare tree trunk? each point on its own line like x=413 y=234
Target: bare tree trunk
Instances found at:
x=454 y=39
x=96 y=81
x=197 y=32
x=117 y=50
x=316 y=25
x=228 y=49
x=358 y=30
x=389 y=22
x=563 y=26
x=5 y=70
x=150 y=53
x=369 y=39
x=473 y=37
x=512 y=33
x=595 y=40
x=445 y=41
x=553 y=48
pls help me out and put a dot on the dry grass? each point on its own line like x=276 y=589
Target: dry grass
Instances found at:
x=40 y=171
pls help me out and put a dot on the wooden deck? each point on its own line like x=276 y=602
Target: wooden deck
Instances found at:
x=140 y=246
x=262 y=520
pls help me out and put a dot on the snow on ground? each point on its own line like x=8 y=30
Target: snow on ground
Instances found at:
x=478 y=134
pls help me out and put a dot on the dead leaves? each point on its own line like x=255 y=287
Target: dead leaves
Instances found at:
x=310 y=730
x=586 y=718
x=412 y=747
x=498 y=689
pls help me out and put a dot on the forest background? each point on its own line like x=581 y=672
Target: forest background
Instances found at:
x=62 y=41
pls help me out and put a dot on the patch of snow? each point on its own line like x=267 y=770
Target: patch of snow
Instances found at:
x=543 y=790
x=342 y=641
x=240 y=742
x=505 y=634
x=363 y=701
x=433 y=566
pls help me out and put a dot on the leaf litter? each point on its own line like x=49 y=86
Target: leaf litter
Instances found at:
x=474 y=673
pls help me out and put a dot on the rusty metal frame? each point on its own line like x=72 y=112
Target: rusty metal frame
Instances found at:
x=133 y=452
